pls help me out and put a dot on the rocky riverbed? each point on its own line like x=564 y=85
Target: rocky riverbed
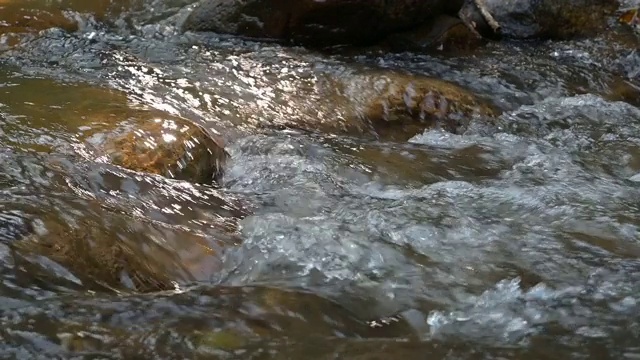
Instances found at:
x=208 y=180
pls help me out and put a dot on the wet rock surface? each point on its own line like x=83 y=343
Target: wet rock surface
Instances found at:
x=13 y=226
x=383 y=104
x=407 y=25
x=317 y=23
x=364 y=102
x=131 y=256
x=115 y=241
x=168 y=146
x=505 y=234
x=88 y=257
x=22 y=18
x=115 y=131
x=135 y=233
x=406 y=104
x=549 y=19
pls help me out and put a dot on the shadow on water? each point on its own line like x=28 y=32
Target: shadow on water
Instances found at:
x=516 y=237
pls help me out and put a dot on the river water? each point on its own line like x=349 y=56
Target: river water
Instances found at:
x=517 y=239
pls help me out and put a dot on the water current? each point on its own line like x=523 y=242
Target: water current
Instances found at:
x=516 y=239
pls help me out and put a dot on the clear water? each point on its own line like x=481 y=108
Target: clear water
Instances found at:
x=517 y=239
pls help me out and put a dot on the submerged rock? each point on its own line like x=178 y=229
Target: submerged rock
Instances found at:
x=372 y=103
x=90 y=257
x=353 y=100
x=310 y=22
x=623 y=90
x=117 y=252
x=16 y=22
x=16 y=18
x=552 y=19
x=164 y=145
x=137 y=138
x=417 y=164
x=92 y=227
x=75 y=221
x=397 y=104
x=26 y=16
x=13 y=226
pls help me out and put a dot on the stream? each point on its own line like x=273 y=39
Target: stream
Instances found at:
x=518 y=238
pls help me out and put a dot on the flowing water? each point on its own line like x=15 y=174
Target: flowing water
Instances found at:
x=517 y=239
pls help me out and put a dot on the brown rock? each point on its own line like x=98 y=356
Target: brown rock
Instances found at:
x=14 y=18
x=169 y=146
x=623 y=90
x=24 y=16
x=119 y=252
x=400 y=105
x=315 y=309
x=311 y=22
x=97 y=258
x=114 y=232
x=139 y=139
x=369 y=102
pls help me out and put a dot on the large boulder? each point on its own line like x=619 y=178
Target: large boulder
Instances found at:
x=312 y=22
x=548 y=19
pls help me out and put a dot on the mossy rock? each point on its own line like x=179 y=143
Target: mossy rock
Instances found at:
x=164 y=145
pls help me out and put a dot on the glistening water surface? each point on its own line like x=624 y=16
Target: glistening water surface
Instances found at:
x=516 y=239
